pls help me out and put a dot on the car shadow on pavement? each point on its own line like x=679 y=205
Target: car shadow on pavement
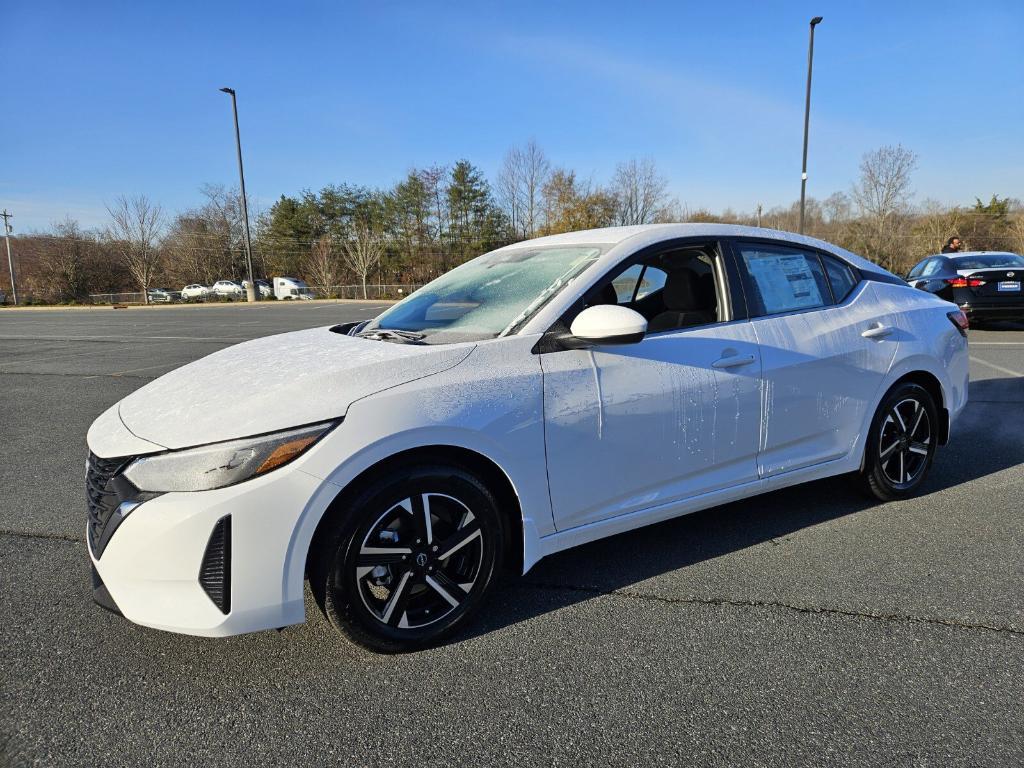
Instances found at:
x=986 y=440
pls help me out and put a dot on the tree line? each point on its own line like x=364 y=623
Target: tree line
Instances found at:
x=440 y=216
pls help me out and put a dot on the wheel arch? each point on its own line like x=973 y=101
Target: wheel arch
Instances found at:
x=482 y=466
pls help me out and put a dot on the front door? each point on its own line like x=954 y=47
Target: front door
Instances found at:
x=675 y=415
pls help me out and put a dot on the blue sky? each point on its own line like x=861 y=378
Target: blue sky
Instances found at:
x=111 y=98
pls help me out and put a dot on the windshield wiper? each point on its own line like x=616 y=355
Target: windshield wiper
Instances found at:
x=389 y=334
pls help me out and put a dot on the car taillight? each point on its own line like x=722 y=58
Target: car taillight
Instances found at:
x=959 y=319
x=964 y=282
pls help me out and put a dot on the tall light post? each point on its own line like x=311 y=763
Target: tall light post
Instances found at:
x=250 y=292
x=807 y=120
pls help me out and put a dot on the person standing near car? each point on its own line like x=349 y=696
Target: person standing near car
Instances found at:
x=953 y=245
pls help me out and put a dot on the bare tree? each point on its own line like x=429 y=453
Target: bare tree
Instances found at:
x=64 y=263
x=363 y=251
x=134 y=232
x=883 y=196
x=521 y=187
x=321 y=265
x=640 y=192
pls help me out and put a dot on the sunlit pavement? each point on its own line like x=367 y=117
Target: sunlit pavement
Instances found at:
x=803 y=627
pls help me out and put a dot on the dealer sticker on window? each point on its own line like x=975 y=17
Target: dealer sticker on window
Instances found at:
x=1009 y=285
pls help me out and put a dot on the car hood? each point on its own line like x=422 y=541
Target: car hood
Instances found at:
x=275 y=383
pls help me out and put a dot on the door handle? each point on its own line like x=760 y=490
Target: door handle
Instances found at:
x=733 y=361
x=878 y=331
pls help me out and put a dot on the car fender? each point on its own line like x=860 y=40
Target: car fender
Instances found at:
x=490 y=404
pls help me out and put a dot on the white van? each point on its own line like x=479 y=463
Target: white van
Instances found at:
x=291 y=288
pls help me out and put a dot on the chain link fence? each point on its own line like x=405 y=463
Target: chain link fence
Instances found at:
x=375 y=292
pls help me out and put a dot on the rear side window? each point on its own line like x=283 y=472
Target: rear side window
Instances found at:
x=625 y=284
x=931 y=267
x=917 y=269
x=840 y=276
x=783 y=279
x=652 y=280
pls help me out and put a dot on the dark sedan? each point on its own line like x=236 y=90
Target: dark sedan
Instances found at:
x=985 y=284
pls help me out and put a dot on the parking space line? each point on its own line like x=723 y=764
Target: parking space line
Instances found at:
x=995 y=367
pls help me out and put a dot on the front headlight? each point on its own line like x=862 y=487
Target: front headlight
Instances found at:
x=222 y=464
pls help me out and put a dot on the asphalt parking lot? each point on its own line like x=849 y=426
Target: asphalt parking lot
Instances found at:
x=810 y=626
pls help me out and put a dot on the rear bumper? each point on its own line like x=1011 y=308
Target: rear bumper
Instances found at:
x=994 y=311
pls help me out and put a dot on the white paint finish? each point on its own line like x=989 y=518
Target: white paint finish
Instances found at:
x=821 y=376
x=635 y=433
x=275 y=383
x=108 y=437
x=607 y=321
x=151 y=564
x=641 y=425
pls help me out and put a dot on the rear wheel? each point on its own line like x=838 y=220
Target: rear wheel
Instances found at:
x=901 y=443
x=410 y=558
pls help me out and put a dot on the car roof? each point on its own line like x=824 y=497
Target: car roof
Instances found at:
x=641 y=235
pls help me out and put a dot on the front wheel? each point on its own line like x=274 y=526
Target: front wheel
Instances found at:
x=901 y=443
x=410 y=559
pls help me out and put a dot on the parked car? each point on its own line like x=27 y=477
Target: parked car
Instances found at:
x=262 y=286
x=986 y=285
x=289 y=288
x=160 y=296
x=195 y=292
x=228 y=289
x=539 y=397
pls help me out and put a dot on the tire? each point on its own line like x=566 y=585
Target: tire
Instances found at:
x=415 y=596
x=901 y=443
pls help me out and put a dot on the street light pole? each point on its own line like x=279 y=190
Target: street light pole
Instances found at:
x=10 y=261
x=807 y=120
x=250 y=293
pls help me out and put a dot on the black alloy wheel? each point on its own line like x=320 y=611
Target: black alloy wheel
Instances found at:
x=901 y=443
x=412 y=560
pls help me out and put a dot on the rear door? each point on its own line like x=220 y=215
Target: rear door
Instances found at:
x=825 y=348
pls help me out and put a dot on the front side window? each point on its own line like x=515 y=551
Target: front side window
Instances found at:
x=783 y=279
x=488 y=296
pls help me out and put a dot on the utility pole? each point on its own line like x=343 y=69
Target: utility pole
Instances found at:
x=251 y=294
x=758 y=214
x=807 y=120
x=10 y=262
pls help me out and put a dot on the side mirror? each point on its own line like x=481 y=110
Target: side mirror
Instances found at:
x=609 y=324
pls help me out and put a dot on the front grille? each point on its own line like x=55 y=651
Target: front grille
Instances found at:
x=103 y=499
x=215 y=571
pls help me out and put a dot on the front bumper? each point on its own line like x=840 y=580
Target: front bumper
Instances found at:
x=156 y=568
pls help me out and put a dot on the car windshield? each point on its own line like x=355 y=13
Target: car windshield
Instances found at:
x=488 y=296
x=989 y=261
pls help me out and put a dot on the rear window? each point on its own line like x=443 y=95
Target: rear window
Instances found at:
x=989 y=261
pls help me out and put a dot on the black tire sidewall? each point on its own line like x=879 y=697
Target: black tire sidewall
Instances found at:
x=342 y=603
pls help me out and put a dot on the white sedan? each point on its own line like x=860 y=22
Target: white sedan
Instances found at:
x=195 y=292
x=541 y=396
x=227 y=289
